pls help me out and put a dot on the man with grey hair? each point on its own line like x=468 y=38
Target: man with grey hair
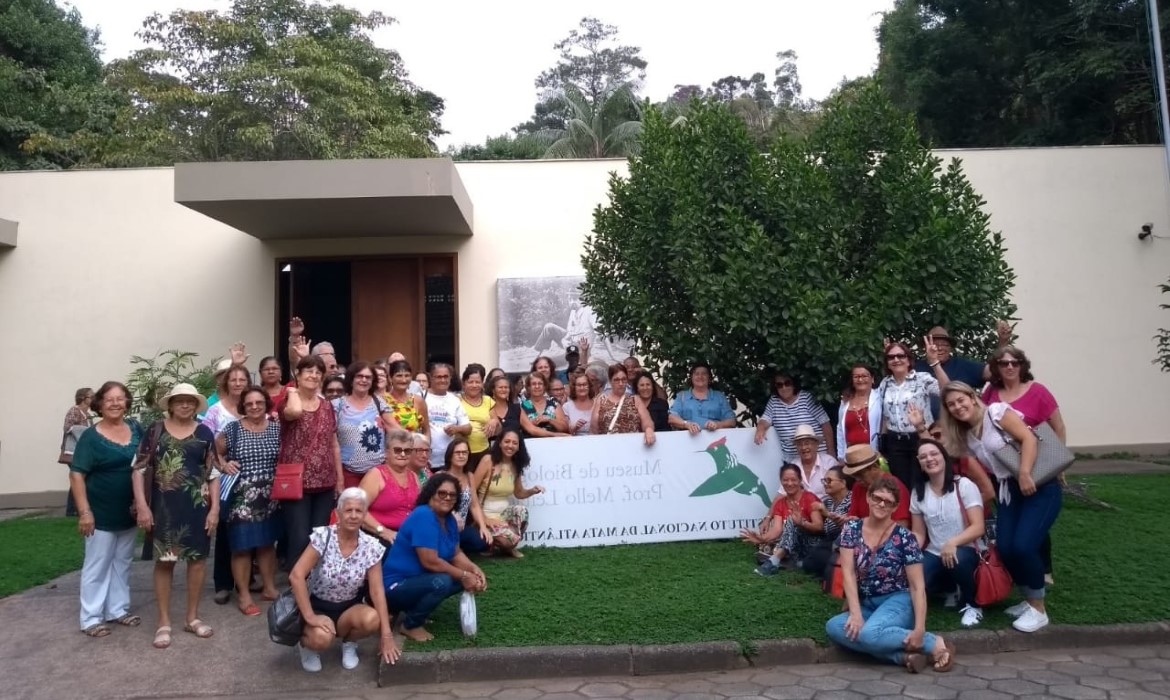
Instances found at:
x=325 y=351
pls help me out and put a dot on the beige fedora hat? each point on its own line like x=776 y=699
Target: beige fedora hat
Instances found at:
x=183 y=389
x=805 y=432
x=858 y=458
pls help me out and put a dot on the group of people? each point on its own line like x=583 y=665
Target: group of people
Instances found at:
x=925 y=493
x=398 y=478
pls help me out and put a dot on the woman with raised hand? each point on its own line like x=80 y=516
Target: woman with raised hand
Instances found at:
x=426 y=566
x=1025 y=512
x=308 y=436
x=226 y=411
x=881 y=567
x=497 y=482
x=330 y=581
x=99 y=480
x=946 y=512
x=247 y=451
x=176 y=495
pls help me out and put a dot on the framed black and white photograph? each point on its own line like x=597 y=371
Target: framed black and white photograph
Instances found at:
x=544 y=315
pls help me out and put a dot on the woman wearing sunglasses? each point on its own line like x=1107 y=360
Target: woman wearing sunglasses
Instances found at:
x=1012 y=383
x=885 y=592
x=905 y=396
x=392 y=488
x=788 y=408
x=427 y=566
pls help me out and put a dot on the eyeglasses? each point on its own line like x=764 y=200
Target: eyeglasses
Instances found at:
x=460 y=453
x=250 y=404
x=364 y=377
x=402 y=451
x=423 y=450
x=446 y=495
x=1008 y=363
x=827 y=480
x=883 y=502
x=783 y=383
x=896 y=356
x=857 y=377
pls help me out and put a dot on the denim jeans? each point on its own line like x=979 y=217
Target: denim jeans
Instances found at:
x=940 y=579
x=1022 y=526
x=888 y=621
x=416 y=598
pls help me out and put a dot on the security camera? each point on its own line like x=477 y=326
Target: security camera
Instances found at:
x=1146 y=232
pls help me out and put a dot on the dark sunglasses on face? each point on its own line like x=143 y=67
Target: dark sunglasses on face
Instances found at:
x=1008 y=363
x=402 y=451
x=896 y=356
x=783 y=383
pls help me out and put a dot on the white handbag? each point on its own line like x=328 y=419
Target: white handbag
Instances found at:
x=467 y=614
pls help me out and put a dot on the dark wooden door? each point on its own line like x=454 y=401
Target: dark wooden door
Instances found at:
x=387 y=309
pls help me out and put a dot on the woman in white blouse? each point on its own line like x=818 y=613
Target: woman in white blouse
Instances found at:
x=1025 y=512
x=905 y=395
x=947 y=518
x=859 y=419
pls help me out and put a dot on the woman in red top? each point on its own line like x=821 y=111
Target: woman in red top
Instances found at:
x=308 y=436
x=793 y=526
x=392 y=489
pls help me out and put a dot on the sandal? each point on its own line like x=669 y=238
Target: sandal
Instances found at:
x=98 y=630
x=162 y=637
x=914 y=662
x=944 y=661
x=126 y=620
x=251 y=610
x=199 y=628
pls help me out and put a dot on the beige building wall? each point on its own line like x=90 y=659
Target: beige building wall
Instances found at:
x=108 y=266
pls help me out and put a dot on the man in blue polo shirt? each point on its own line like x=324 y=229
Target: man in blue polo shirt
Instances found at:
x=701 y=407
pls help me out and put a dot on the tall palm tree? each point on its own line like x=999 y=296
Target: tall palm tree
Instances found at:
x=602 y=129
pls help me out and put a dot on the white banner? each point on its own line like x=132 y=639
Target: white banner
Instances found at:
x=612 y=489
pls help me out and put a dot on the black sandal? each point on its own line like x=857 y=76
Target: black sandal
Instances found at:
x=126 y=620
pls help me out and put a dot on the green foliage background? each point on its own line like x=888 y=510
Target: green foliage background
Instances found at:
x=800 y=261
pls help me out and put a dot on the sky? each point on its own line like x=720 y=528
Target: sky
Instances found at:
x=482 y=57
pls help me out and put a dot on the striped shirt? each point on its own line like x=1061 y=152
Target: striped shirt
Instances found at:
x=784 y=419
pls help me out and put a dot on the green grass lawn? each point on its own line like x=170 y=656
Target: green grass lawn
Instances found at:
x=1111 y=566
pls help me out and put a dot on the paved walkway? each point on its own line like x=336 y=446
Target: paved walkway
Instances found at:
x=1118 y=673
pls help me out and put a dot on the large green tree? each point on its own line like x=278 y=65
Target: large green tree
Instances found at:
x=50 y=83
x=801 y=260
x=1016 y=73
x=265 y=80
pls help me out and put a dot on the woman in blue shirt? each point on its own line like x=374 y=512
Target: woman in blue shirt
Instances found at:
x=425 y=566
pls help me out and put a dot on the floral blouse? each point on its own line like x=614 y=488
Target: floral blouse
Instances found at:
x=882 y=572
x=336 y=578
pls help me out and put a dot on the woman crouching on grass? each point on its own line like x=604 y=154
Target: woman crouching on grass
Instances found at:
x=328 y=580
x=881 y=566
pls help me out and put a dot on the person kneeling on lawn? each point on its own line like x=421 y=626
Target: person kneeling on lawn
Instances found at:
x=425 y=565
x=881 y=567
x=328 y=582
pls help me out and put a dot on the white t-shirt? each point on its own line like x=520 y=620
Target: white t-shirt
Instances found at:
x=574 y=414
x=443 y=411
x=943 y=518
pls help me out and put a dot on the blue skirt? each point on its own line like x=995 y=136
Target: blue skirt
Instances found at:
x=245 y=536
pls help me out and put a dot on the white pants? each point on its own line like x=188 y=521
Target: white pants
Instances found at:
x=105 y=576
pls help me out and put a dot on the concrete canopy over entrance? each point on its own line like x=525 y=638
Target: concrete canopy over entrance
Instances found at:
x=329 y=198
x=7 y=233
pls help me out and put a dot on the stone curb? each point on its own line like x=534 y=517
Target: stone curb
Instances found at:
x=510 y=663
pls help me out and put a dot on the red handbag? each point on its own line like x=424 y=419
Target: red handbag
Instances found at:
x=993 y=583
x=289 y=484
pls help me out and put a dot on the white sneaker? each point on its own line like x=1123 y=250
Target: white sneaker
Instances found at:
x=952 y=600
x=349 y=655
x=1031 y=620
x=310 y=660
x=972 y=615
x=1019 y=609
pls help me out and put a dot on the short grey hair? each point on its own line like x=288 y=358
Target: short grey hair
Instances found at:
x=353 y=493
x=398 y=436
x=421 y=439
x=324 y=348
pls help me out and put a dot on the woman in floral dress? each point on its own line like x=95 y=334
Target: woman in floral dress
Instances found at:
x=248 y=449
x=176 y=467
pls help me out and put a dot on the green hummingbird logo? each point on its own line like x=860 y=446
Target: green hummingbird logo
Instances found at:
x=730 y=475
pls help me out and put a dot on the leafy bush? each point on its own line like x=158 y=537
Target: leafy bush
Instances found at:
x=802 y=260
x=153 y=377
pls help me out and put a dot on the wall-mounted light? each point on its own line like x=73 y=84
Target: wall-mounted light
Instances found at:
x=288 y=266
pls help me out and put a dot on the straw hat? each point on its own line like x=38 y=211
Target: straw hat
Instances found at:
x=183 y=389
x=858 y=458
x=805 y=432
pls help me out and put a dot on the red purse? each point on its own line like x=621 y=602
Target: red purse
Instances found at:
x=289 y=484
x=993 y=583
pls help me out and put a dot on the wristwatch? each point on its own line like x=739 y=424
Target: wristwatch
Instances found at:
x=379 y=530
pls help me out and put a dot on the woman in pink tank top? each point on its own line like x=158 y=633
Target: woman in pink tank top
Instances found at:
x=392 y=489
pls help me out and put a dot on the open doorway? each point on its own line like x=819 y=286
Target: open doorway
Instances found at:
x=371 y=307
